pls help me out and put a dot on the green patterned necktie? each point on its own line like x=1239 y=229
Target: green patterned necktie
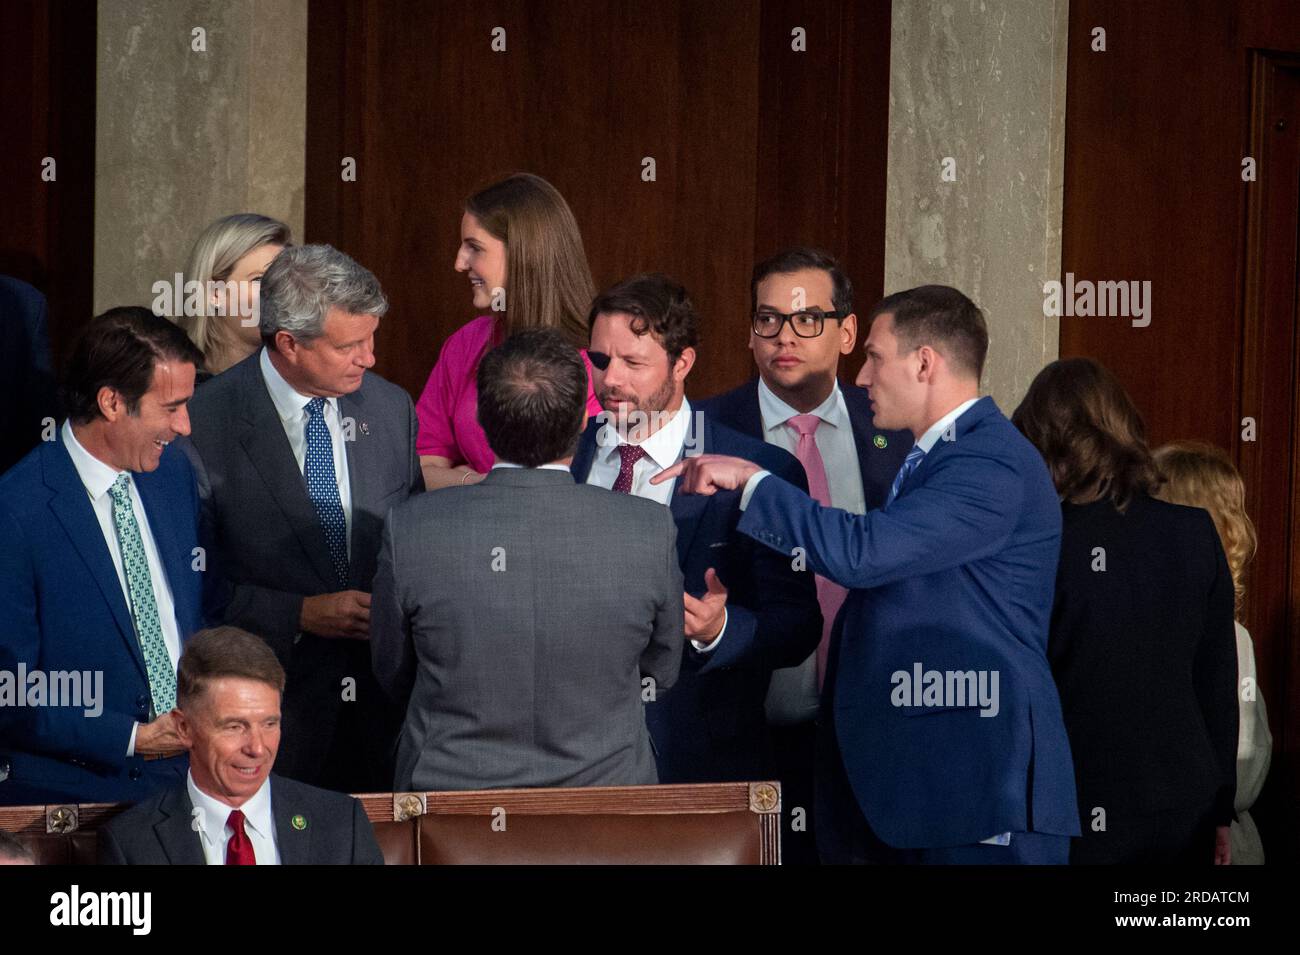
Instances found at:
x=139 y=584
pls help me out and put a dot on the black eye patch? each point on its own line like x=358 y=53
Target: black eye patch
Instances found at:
x=599 y=359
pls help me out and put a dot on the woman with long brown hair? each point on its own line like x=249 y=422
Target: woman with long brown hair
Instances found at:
x=521 y=250
x=1141 y=643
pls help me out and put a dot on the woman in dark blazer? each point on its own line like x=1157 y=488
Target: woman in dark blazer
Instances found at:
x=1142 y=643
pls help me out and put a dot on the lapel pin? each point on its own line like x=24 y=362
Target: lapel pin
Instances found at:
x=300 y=822
x=365 y=428
x=879 y=440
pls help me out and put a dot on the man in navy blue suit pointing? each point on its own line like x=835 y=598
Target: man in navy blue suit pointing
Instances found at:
x=945 y=741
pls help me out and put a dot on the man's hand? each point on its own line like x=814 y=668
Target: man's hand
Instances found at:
x=707 y=473
x=158 y=738
x=706 y=616
x=344 y=615
x=1223 y=845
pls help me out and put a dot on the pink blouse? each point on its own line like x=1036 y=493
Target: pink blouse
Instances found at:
x=448 y=406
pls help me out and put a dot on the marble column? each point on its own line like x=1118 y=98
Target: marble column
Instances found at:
x=976 y=157
x=185 y=134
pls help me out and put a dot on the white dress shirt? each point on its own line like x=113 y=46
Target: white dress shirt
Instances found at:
x=291 y=406
x=834 y=439
x=662 y=449
x=211 y=816
x=97 y=478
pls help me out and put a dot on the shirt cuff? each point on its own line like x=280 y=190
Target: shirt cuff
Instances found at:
x=710 y=647
x=749 y=488
x=130 y=746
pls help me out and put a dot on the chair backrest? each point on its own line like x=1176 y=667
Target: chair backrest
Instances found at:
x=712 y=823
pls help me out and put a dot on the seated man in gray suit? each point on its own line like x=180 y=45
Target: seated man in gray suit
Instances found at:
x=299 y=451
x=230 y=810
x=529 y=637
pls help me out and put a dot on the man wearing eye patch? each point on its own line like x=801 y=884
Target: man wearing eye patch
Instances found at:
x=747 y=612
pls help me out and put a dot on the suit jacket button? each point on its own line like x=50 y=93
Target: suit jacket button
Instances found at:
x=135 y=773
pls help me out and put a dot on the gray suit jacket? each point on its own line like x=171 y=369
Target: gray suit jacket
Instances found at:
x=519 y=616
x=333 y=829
x=266 y=551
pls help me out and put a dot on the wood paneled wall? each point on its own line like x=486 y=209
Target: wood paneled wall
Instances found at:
x=756 y=146
x=47 y=88
x=1157 y=127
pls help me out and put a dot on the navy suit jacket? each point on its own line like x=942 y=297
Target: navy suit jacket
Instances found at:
x=62 y=608
x=880 y=452
x=955 y=575
x=710 y=727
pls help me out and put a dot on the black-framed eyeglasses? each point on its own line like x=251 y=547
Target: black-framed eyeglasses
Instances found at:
x=767 y=323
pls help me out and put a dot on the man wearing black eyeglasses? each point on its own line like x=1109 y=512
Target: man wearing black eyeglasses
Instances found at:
x=802 y=322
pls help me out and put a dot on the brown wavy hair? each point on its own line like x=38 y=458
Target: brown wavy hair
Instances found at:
x=1086 y=427
x=1201 y=475
x=548 y=280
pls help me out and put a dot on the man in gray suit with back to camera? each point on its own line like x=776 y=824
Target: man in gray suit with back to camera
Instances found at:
x=529 y=637
x=300 y=451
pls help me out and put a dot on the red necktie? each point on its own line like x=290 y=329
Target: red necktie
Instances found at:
x=629 y=455
x=829 y=595
x=239 y=850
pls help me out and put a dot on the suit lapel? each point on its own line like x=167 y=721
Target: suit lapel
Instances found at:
x=171 y=554
x=175 y=830
x=689 y=509
x=294 y=842
x=750 y=417
x=71 y=505
x=267 y=447
x=585 y=453
x=361 y=464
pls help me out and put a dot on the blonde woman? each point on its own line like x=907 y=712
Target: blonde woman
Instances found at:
x=228 y=261
x=1201 y=475
x=522 y=252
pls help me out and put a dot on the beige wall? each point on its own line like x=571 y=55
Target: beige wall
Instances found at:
x=983 y=82
x=184 y=137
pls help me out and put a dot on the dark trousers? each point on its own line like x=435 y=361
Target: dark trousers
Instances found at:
x=1173 y=837
x=793 y=749
x=844 y=837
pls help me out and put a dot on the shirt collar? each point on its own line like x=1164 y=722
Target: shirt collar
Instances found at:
x=288 y=400
x=213 y=813
x=540 y=467
x=663 y=447
x=931 y=436
x=97 y=476
x=776 y=412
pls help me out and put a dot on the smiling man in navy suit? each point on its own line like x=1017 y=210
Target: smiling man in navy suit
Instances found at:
x=945 y=742
x=749 y=611
x=98 y=574
x=802 y=322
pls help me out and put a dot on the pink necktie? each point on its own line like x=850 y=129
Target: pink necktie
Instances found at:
x=829 y=595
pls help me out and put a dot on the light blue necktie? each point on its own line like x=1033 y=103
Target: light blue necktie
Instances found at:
x=909 y=465
x=144 y=608
x=323 y=488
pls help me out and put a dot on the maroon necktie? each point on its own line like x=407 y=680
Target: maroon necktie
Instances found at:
x=239 y=850
x=629 y=455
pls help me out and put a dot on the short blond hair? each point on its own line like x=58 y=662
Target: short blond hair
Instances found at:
x=1201 y=475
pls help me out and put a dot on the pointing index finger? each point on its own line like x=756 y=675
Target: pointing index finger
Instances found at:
x=668 y=473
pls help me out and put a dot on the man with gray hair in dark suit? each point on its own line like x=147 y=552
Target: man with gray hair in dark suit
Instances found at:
x=299 y=452
x=527 y=641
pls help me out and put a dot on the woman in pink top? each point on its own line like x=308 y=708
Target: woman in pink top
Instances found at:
x=521 y=249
